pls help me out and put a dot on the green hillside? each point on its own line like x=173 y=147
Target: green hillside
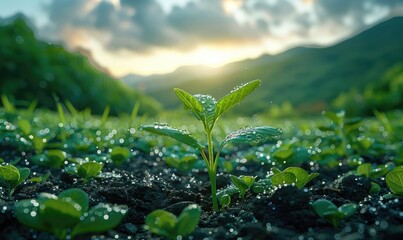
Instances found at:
x=32 y=69
x=309 y=78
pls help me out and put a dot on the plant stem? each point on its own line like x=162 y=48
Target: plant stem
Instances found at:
x=212 y=175
x=212 y=170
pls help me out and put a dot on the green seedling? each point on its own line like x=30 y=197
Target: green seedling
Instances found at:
x=394 y=180
x=52 y=158
x=119 y=155
x=184 y=163
x=166 y=224
x=68 y=215
x=225 y=200
x=11 y=177
x=206 y=109
x=89 y=170
x=242 y=183
x=292 y=176
x=40 y=179
x=372 y=171
x=331 y=213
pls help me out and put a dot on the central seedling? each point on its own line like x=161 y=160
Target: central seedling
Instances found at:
x=207 y=110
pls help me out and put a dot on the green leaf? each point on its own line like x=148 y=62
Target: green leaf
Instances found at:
x=283 y=154
x=262 y=186
x=348 y=209
x=24 y=173
x=59 y=213
x=162 y=223
x=225 y=200
x=240 y=184
x=256 y=134
x=89 y=169
x=119 y=155
x=55 y=158
x=189 y=101
x=188 y=220
x=77 y=196
x=9 y=176
x=324 y=207
x=209 y=105
x=394 y=180
x=364 y=169
x=100 y=218
x=179 y=135
x=235 y=97
x=283 y=178
x=27 y=213
x=300 y=174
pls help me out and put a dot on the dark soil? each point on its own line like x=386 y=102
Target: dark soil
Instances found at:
x=145 y=184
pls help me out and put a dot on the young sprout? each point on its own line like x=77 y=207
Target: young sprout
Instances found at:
x=166 y=224
x=11 y=177
x=68 y=214
x=207 y=110
x=331 y=213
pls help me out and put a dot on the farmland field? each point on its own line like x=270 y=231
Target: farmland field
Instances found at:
x=160 y=173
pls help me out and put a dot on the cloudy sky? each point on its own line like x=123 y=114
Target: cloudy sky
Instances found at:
x=157 y=36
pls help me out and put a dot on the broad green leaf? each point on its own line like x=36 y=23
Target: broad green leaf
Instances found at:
x=283 y=178
x=323 y=206
x=60 y=214
x=9 y=176
x=235 y=97
x=225 y=200
x=248 y=180
x=231 y=190
x=311 y=177
x=100 y=218
x=77 y=196
x=209 y=105
x=283 y=154
x=89 y=169
x=240 y=184
x=179 y=135
x=300 y=174
x=188 y=220
x=162 y=223
x=55 y=158
x=348 y=209
x=394 y=180
x=364 y=169
x=256 y=134
x=24 y=173
x=27 y=213
x=189 y=101
x=119 y=154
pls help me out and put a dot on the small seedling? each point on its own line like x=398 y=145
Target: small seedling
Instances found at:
x=166 y=224
x=331 y=213
x=370 y=171
x=11 y=177
x=89 y=170
x=292 y=175
x=183 y=162
x=119 y=155
x=242 y=183
x=52 y=158
x=394 y=180
x=206 y=109
x=67 y=215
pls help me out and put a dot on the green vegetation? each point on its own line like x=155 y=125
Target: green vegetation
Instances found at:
x=206 y=109
x=331 y=213
x=166 y=224
x=68 y=215
x=394 y=180
x=11 y=177
x=33 y=70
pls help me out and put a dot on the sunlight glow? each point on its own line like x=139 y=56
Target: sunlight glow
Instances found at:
x=231 y=6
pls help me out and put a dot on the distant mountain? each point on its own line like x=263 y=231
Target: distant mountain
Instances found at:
x=31 y=69
x=309 y=78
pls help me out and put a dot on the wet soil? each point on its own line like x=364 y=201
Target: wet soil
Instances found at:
x=145 y=184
